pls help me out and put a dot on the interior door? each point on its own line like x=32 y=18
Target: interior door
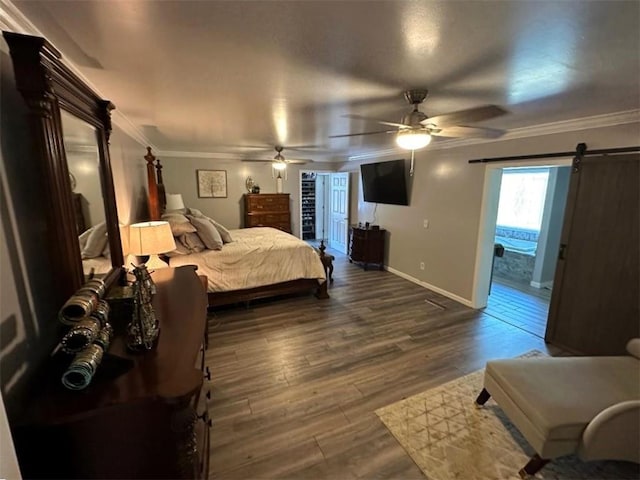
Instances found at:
x=339 y=208
x=595 y=301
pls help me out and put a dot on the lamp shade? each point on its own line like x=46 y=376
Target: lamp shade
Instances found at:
x=174 y=202
x=150 y=238
x=411 y=139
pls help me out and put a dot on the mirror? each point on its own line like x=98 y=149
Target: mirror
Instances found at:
x=83 y=162
x=71 y=127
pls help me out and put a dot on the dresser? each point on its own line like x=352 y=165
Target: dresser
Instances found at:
x=267 y=210
x=144 y=415
x=366 y=246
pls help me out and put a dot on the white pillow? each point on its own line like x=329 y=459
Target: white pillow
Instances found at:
x=633 y=347
x=82 y=239
x=96 y=241
x=179 y=223
x=207 y=232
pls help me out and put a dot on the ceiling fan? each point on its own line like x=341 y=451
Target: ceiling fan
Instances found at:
x=417 y=128
x=279 y=162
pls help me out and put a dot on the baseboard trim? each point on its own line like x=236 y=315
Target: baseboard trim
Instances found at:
x=428 y=286
x=548 y=284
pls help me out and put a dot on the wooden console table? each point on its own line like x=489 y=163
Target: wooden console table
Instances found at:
x=366 y=246
x=147 y=420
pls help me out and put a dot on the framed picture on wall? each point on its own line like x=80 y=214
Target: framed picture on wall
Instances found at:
x=212 y=183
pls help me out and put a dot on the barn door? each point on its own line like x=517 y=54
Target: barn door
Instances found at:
x=594 y=304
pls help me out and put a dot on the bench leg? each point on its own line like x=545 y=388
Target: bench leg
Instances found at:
x=482 y=398
x=534 y=466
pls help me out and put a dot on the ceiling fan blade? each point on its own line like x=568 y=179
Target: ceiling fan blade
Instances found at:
x=382 y=122
x=304 y=147
x=292 y=161
x=470 y=115
x=298 y=162
x=363 y=133
x=471 y=132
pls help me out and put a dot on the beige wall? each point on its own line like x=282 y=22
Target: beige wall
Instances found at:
x=129 y=177
x=448 y=191
x=180 y=177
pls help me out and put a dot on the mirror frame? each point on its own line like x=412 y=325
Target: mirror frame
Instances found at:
x=48 y=86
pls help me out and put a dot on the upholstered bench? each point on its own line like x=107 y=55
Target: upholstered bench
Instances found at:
x=584 y=405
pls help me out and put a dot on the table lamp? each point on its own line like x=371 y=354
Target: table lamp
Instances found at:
x=151 y=238
x=174 y=202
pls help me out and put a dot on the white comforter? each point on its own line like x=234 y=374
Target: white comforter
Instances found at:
x=256 y=257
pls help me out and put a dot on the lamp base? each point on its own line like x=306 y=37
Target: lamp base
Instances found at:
x=155 y=262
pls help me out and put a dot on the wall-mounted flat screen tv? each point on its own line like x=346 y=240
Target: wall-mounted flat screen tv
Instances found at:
x=384 y=182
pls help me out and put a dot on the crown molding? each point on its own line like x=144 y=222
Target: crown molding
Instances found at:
x=123 y=123
x=563 y=126
x=207 y=155
x=12 y=19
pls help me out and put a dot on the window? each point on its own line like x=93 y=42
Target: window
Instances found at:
x=522 y=196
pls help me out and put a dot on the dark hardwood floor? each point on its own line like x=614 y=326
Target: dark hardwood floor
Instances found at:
x=295 y=382
x=520 y=305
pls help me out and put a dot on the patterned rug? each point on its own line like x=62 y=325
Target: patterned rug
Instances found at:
x=448 y=438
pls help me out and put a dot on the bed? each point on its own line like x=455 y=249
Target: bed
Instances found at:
x=259 y=262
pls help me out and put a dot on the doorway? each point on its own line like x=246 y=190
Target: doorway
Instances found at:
x=314 y=211
x=523 y=213
x=324 y=207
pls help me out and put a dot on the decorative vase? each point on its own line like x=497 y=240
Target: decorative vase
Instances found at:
x=279 y=184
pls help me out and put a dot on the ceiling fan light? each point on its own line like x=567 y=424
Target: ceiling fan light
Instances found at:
x=279 y=165
x=413 y=139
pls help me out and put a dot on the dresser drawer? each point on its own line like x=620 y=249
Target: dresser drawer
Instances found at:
x=267 y=219
x=268 y=203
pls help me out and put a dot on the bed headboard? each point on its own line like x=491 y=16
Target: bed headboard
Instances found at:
x=156 y=192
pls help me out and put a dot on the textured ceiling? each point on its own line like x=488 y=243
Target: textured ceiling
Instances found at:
x=229 y=76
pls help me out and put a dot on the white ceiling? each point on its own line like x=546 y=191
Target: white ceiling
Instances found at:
x=214 y=76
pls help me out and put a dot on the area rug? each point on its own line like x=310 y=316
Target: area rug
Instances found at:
x=449 y=438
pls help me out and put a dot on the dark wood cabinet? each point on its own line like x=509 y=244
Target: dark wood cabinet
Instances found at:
x=144 y=415
x=267 y=210
x=366 y=246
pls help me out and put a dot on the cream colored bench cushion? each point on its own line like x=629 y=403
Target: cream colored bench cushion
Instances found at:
x=560 y=396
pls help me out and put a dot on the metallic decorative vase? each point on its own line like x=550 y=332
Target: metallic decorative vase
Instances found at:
x=143 y=330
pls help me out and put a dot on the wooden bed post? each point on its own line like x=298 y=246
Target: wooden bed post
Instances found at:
x=162 y=196
x=322 y=292
x=154 y=203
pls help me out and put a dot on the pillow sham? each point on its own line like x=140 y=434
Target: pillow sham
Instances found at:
x=179 y=223
x=222 y=230
x=82 y=239
x=192 y=241
x=194 y=212
x=181 y=249
x=96 y=241
x=224 y=233
x=207 y=232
